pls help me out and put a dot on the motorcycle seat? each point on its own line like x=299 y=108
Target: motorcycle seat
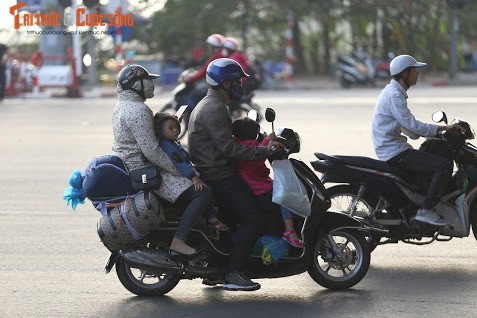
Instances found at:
x=365 y=162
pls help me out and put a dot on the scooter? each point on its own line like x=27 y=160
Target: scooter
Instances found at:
x=180 y=97
x=353 y=70
x=336 y=253
x=387 y=199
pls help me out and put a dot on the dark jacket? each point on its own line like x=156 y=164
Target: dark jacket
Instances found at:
x=211 y=143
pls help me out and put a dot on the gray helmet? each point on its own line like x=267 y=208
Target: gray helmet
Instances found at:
x=132 y=73
x=402 y=62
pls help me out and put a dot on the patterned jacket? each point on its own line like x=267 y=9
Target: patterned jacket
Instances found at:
x=136 y=144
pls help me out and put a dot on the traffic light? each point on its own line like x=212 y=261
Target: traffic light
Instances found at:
x=91 y=3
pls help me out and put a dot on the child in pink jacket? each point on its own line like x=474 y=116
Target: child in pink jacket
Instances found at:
x=256 y=174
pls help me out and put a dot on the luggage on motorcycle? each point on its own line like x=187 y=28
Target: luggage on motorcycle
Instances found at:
x=106 y=178
x=288 y=191
x=128 y=221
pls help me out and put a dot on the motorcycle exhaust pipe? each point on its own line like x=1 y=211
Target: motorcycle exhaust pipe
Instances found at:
x=153 y=260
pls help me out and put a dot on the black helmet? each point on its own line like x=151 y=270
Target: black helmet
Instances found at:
x=132 y=73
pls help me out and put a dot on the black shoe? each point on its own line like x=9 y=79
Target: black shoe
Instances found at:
x=213 y=281
x=236 y=281
x=179 y=255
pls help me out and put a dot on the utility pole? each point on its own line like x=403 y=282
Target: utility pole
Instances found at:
x=453 y=38
x=454 y=34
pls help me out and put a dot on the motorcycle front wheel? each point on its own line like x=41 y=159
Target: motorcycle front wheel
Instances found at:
x=144 y=282
x=340 y=259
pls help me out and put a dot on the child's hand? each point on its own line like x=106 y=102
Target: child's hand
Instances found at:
x=199 y=185
x=271 y=136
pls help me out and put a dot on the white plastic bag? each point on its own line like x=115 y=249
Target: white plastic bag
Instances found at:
x=288 y=191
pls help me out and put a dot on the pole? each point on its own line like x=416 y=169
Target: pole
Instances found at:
x=119 y=52
x=288 y=71
x=76 y=43
x=453 y=46
x=92 y=79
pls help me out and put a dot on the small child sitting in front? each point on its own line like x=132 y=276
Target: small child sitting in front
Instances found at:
x=256 y=174
x=167 y=128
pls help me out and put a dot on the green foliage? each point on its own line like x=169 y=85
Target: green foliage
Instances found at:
x=418 y=27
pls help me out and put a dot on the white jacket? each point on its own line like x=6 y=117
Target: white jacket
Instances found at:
x=136 y=144
x=391 y=119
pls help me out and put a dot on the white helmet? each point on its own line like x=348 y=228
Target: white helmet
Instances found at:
x=215 y=40
x=401 y=62
x=231 y=44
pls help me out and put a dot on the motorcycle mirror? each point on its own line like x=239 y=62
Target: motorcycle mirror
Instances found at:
x=439 y=116
x=270 y=116
x=253 y=115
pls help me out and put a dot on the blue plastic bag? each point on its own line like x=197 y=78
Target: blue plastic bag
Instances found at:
x=271 y=248
x=74 y=194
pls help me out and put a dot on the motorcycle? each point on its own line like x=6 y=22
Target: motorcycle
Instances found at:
x=180 y=97
x=353 y=70
x=336 y=253
x=387 y=199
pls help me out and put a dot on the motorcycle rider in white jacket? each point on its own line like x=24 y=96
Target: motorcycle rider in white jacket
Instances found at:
x=392 y=119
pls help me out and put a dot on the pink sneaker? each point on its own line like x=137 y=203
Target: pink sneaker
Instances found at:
x=287 y=236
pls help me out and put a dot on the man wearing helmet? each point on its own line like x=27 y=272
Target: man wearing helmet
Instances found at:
x=392 y=118
x=214 y=41
x=213 y=151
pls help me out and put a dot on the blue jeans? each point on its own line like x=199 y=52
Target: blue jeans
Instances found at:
x=286 y=214
x=200 y=202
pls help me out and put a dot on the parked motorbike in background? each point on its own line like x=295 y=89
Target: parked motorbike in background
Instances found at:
x=382 y=67
x=336 y=253
x=180 y=97
x=355 y=70
x=387 y=198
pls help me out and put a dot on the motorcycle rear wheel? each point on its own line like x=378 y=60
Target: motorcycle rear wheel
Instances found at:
x=342 y=197
x=329 y=271
x=144 y=282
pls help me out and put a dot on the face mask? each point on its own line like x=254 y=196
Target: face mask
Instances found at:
x=148 y=89
x=236 y=92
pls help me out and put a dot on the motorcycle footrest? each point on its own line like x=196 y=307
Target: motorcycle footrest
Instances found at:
x=153 y=260
x=389 y=222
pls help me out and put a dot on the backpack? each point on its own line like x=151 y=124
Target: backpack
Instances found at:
x=106 y=180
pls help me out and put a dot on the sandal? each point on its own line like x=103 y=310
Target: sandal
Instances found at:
x=287 y=236
x=217 y=225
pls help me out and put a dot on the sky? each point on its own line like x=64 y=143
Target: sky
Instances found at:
x=6 y=19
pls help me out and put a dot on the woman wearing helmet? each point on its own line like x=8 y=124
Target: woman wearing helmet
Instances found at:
x=392 y=118
x=213 y=151
x=231 y=50
x=214 y=41
x=136 y=144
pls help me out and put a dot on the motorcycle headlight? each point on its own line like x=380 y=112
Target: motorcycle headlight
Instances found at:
x=290 y=139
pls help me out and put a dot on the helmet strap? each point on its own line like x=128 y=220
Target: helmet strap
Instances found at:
x=141 y=91
x=406 y=79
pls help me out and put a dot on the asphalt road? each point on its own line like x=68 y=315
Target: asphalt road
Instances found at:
x=52 y=261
